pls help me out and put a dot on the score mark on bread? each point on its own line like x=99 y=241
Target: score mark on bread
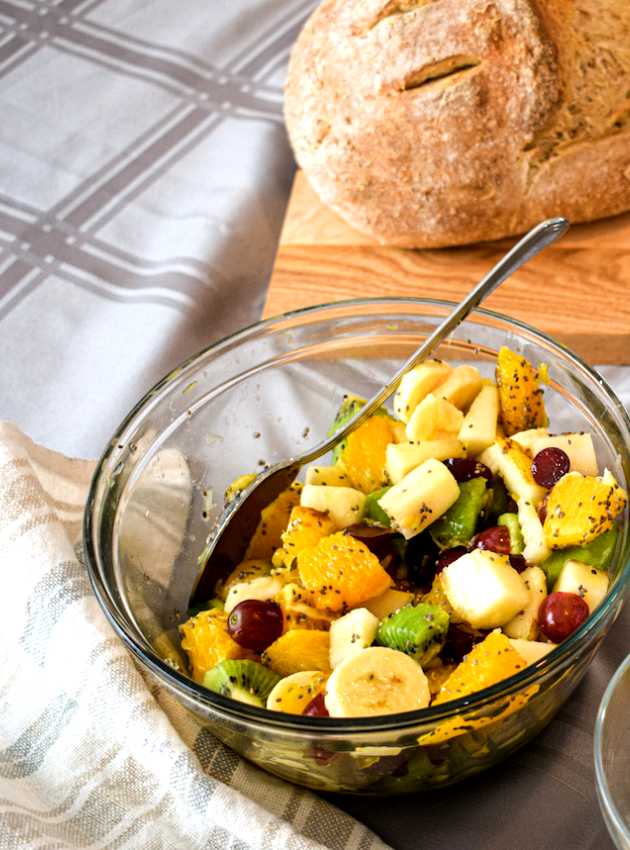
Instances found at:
x=370 y=17
x=447 y=68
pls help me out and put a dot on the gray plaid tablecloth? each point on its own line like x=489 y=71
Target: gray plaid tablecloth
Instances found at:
x=144 y=172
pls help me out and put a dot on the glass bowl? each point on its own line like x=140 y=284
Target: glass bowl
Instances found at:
x=264 y=394
x=612 y=756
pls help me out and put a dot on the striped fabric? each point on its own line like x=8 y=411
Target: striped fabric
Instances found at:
x=91 y=755
x=144 y=172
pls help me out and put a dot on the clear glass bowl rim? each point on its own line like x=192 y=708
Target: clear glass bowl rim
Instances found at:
x=605 y=796
x=556 y=660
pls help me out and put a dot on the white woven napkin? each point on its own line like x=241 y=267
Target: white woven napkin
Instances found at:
x=90 y=755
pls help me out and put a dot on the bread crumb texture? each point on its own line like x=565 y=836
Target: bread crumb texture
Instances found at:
x=443 y=122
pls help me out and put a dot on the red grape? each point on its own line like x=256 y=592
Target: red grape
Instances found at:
x=518 y=562
x=560 y=614
x=420 y=559
x=549 y=466
x=255 y=624
x=458 y=644
x=496 y=539
x=448 y=556
x=316 y=707
x=464 y=469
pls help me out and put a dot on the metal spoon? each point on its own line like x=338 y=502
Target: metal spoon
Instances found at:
x=239 y=521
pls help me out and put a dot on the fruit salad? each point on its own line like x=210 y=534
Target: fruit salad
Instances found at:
x=446 y=546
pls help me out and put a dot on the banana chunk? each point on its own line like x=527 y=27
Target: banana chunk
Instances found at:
x=421 y=497
x=526 y=439
x=509 y=460
x=578 y=448
x=350 y=634
x=376 y=681
x=263 y=588
x=327 y=476
x=536 y=550
x=484 y=589
x=589 y=583
x=525 y=625
x=479 y=428
x=401 y=458
x=416 y=384
x=434 y=419
x=344 y=505
x=461 y=386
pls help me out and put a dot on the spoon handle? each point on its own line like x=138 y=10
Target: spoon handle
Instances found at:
x=538 y=238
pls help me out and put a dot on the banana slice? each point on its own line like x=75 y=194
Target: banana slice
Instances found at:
x=293 y=693
x=376 y=681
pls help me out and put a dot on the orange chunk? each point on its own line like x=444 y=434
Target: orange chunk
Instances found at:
x=486 y=664
x=299 y=649
x=341 y=572
x=206 y=641
x=520 y=393
x=363 y=456
x=273 y=521
x=305 y=529
x=297 y=610
x=489 y=662
x=436 y=676
x=581 y=507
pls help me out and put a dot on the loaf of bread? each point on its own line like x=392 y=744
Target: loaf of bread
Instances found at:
x=427 y=123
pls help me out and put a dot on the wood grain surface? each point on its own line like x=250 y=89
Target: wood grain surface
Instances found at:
x=578 y=291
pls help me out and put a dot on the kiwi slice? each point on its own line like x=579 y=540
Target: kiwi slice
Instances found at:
x=510 y=521
x=457 y=526
x=598 y=553
x=499 y=501
x=245 y=681
x=373 y=511
x=417 y=630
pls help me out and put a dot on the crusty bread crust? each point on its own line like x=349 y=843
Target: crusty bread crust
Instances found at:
x=427 y=123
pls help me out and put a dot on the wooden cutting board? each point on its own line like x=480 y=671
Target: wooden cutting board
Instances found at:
x=578 y=291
